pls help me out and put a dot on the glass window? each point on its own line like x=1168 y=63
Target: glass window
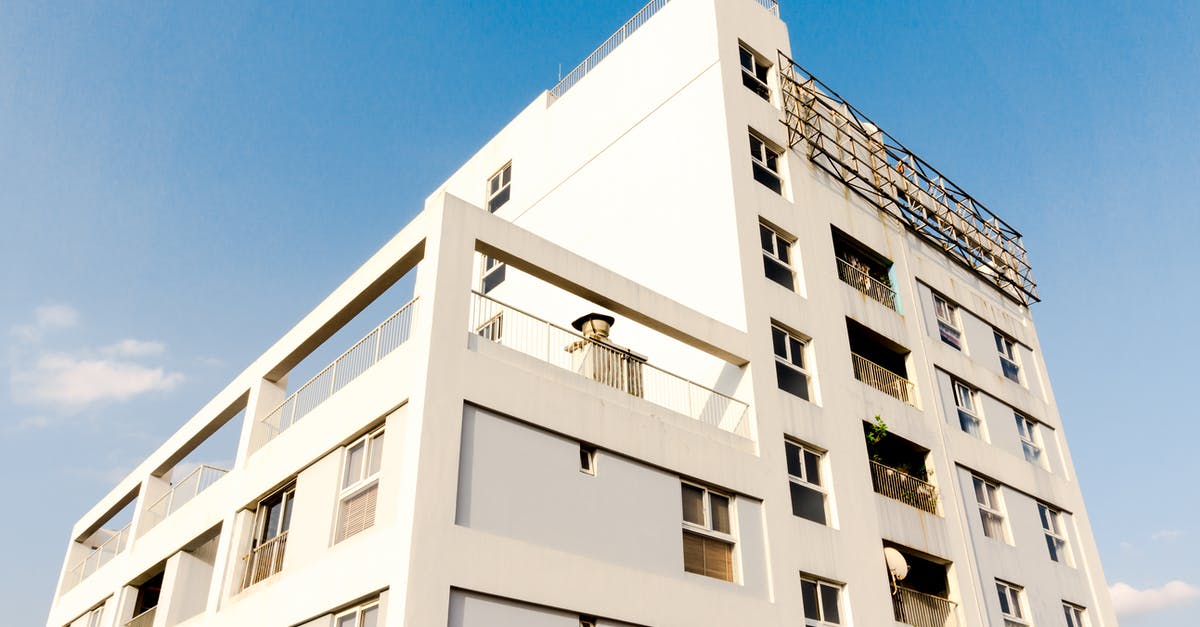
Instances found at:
x=765 y=164
x=776 y=256
x=707 y=532
x=968 y=412
x=493 y=273
x=1011 y=603
x=1055 y=531
x=360 y=486
x=1074 y=614
x=1027 y=431
x=804 y=474
x=790 y=372
x=991 y=512
x=754 y=72
x=822 y=603
x=499 y=188
x=947 y=319
x=1008 y=357
x=361 y=616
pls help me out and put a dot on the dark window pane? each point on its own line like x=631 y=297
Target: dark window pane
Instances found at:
x=693 y=504
x=779 y=341
x=746 y=58
x=499 y=199
x=756 y=147
x=829 y=603
x=808 y=503
x=791 y=380
x=793 y=453
x=761 y=72
x=811 y=467
x=767 y=237
x=768 y=178
x=808 y=591
x=778 y=272
x=797 y=351
x=1052 y=545
x=781 y=250
x=772 y=161
x=720 y=512
x=755 y=86
x=1004 y=608
x=493 y=278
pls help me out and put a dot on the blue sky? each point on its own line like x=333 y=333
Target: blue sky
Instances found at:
x=180 y=182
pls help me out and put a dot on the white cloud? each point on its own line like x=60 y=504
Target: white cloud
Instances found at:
x=70 y=383
x=47 y=318
x=134 y=348
x=1128 y=600
x=1167 y=535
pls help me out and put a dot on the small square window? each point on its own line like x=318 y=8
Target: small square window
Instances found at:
x=499 y=188
x=707 y=532
x=947 y=319
x=804 y=474
x=822 y=602
x=754 y=72
x=765 y=160
x=790 y=373
x=777 y=256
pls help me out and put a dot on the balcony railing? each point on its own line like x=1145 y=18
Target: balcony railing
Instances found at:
x=383 y=339
x=884 y=380
x=605 y=363
x=607 y=47
x=99 y=556
x=183 y=491
x=904 y=487
x=923 y=610
x=263 y=560
x=770 y=5
x=145 y=619
x=865 y=283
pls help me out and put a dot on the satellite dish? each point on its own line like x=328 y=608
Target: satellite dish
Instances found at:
x=897 y=565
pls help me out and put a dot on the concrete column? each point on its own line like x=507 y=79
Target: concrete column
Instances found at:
x=265 y=396
x=152 y=489
x=186 y=582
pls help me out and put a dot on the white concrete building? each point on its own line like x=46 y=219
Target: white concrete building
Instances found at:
x=781 y=277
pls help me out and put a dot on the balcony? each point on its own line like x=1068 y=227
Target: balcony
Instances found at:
x=145 y=619
x=864 y=269
x=923 y=610
x=880 y=363
x=101 y=554
x=898 y=469
x=180 y=494
x=381 y=341
x=862 y=281
x=901 y=486
x=263 y=560
x=605 y=363
x=883 y=379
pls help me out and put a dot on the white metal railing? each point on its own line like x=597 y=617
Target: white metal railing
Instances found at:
x=884 y=380
x=377 y=344
x=770 y=5
x=183 y=491
x=904 y=487
x=608 y=46
x=923 y=610
x=263 y=560
x=605 y=363
x=145 y=619
x=865 y=283
x=100 y=555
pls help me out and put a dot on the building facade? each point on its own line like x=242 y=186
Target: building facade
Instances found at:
x=690 y=342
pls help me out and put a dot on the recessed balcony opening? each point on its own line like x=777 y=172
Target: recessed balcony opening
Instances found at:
x=880 y=363
x=864 y=269
x=145 y=604
x=543 y=321
x=268 y=536
x=899 y=469
x=194 y=468
x=921 y=597
x=109 y=538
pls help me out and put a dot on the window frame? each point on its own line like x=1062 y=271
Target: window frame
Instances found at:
x=760 y=85
x=372 y=446
x=357 y=612
x=804 y=481
x=706 y=530
x=786 y=361
x=1030 y=437
x=948 y=321
x=491 y=274
x=1006 y=348
x=1056 y=533
x=972 y=409
x=761 y=157
x=587 y=460
x=779 y=241
x=1013 y=596
x=287 y=497
x=1075 y=615
x=503 y=179
x=994 y=507
x=819 y=583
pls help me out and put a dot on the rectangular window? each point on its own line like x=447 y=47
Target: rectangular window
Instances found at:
x=822 y=602
x=268 y=542
x=947 y=319
x=587 y=459
x=707 y=532
x=777 y=257
x=493 y=273
x=754 y=72
x=1056 y=534
x=966 y=400
x=1027 y=431
x=765 y=163
x=804 y=473
x=499 y=187
x=1075 y=616
x=1008 y=357
x=365 y=615
x=1012 y=604
x=493 y=329
x=789 y=362
x=360 y=485
x=991 y=509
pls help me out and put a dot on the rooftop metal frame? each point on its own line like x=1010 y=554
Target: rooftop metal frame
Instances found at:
x=878 y=168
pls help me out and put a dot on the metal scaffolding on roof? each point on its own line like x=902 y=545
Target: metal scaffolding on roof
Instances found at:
x=846 y=144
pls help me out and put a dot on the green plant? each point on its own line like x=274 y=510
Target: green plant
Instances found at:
x=877 y=431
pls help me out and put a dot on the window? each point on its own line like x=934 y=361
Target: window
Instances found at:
x=587 y=459
x=1027 y=430
x=269 y=540
x=991 y=510
x=366 y=615
x=1012 y=605
x=274 y=516
x=947 y=319
x=821 y=601
x=360 y=485
x=493 y=329
x=966 y=399
x=754 y=73
x=766 y=164
x=804 y=472
x=92 y=618
x=777 y=256
x=493 y=273
x=587 y=621
x=499 y=188
x=1056 y=534
x=789 y=362
x=1074 y=614
x=707 y=534
x=1008 y=357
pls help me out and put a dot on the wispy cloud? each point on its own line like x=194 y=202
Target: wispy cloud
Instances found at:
x=134 y=348
x=46 y=318
x=1128 y=601
x=1167 y=535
